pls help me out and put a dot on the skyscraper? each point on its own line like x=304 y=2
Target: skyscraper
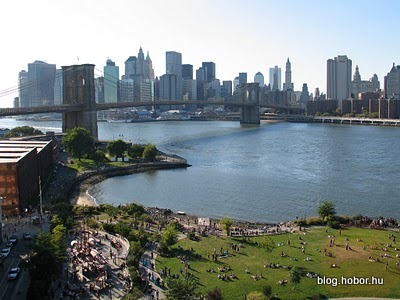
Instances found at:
x=288 y=85
x=174 y=67
x=111 y=78
x=305 y=96
x=392 y=83
x=187 y=71
x=173 y=63
x=275 y=78
x=339 y=78
x=259 y=78
x=40 y=85
x=130 y=66
x=242 y=78
x=148 y=68
x=362 y=86
x=209 y=68
x=58 y=87
x=23 y=88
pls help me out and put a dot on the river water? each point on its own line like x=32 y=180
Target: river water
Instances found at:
x=268 y=173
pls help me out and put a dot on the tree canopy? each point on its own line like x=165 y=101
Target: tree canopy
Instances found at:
x=226 y=224
x=117 y=148
x=136 y=150
x=180 y=289
x=46 y=261
x=23 y=131
x=150 y=152
x=79 y=142
x=326 y=209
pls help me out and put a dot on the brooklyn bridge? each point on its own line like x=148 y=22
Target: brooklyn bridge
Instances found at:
x=79 y=108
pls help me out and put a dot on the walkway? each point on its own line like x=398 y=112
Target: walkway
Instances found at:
x=148 y=272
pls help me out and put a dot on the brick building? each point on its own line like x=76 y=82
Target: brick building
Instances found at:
x=21 y=165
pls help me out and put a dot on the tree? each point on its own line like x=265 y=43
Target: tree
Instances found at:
x=214 y=294
x=46 y=262
x=79 y=142
x=150 y=152
x=180 y=289
x=136 y=150
x=226 y=224
x=169 y=235
x=326 y=210
x=267 y=291
x=267 y=243
x=23 y=131
x=256 y=296
x=295 y=275
x=117 y=148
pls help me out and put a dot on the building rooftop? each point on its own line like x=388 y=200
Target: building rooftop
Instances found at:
x=12 y=151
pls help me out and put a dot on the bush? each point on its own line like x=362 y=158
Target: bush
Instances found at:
x=335 y=224
x=98 y=156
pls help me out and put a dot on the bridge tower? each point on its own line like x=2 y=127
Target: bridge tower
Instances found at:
x=78 y=88
x=249 y=96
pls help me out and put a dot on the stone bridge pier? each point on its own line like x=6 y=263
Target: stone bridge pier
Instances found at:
x=249 y=96
x=79 y=89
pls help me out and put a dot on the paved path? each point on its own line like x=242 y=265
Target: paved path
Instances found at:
x=148 y=272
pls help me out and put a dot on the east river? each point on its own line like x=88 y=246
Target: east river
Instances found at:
x=269 y=173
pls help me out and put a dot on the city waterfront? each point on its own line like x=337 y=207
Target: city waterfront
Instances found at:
x=270 y=173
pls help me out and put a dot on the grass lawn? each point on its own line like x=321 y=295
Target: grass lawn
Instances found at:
x=349 y=263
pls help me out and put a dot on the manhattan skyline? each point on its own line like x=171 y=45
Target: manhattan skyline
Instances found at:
x=237 y=36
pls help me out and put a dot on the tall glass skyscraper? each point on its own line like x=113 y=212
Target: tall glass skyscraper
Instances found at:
x=111 y=78
x=174 y=67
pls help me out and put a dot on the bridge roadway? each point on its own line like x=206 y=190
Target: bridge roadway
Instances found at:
x=106 y=106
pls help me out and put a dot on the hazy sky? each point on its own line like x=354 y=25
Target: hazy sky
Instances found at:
x=239 y=36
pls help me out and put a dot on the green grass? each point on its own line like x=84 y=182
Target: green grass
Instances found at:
x=349 y=263
x=89 y=164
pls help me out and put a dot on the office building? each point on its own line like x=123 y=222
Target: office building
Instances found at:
x=168 y=89
x=209 y=71
x=275 y=78
x=201 y=83
x=226 y=88
x=99 y=89
x=111 y=78
x=174 y=67
x=305 y=95
x=339 y=78
x=23 y=88
x=288 y=85
x=130 y=66
x=359 y=86
x=36 y=87
x=126 y=90
x=392 y=83
x=58 y=87
x=242 y=78
x=259 y=78
x=187 y=71
x=235 y=83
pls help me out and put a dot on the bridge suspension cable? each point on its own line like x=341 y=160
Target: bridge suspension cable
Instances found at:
x=31 y=84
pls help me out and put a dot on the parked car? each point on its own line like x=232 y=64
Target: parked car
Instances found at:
x=9 y=245
x=13 y=273
x=13 y=239
x=27 y=236
x=5 y=252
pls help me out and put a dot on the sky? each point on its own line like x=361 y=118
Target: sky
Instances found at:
x=239 y=36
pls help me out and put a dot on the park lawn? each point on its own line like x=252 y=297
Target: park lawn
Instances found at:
x=253 y=257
